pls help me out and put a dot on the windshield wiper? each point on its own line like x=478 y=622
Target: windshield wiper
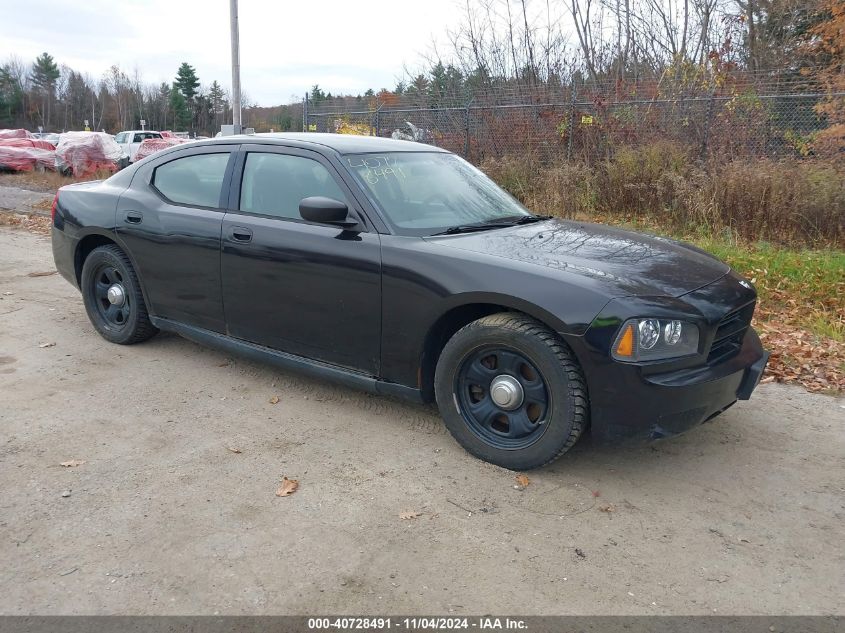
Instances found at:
x=472 y=228
x=500 y=223
x=527 y=219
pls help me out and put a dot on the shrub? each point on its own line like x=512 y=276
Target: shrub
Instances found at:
x=790 y=202
x=799 y=202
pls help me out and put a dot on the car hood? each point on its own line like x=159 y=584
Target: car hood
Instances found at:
x=632 y=264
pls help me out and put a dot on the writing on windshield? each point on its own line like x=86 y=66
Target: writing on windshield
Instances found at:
x=374 y=168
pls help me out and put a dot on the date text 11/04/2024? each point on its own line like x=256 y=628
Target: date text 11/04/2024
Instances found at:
x=416 y=623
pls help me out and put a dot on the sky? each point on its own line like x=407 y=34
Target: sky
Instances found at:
x=286 y=46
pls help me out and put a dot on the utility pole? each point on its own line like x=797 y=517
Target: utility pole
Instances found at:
x=236 y=67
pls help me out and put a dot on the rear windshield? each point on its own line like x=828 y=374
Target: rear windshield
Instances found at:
x=142 y=136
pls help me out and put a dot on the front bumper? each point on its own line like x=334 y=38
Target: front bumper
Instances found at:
x=629 y=405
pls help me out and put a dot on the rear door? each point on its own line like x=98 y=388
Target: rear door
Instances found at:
x=307 y=289
x=169 y=220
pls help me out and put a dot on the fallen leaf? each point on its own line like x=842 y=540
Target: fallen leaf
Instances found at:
x=274 y=400
x=608 y=508
x=234 y=449
x=288 y=487
x=522 y=481
x=409 y=514
x=72 y=462
x=46 y=273
x=43 y=345
x=226 y=364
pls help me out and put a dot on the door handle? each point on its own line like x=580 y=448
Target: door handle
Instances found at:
x=134 y=217
x=240 y=234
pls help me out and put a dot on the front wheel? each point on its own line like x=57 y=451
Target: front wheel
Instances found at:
x=112 y=297
x=511 y=392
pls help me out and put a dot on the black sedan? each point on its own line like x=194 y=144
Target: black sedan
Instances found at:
x=401 y=269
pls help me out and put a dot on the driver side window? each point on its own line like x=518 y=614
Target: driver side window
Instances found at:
x=274 y=184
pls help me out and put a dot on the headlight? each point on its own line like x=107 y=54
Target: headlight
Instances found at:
x=655 y=339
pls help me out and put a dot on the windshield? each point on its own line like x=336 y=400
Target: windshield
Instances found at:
x=427 y=192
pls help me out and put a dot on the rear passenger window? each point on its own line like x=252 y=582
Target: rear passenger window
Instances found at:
x=274 y=184
x=194 y=180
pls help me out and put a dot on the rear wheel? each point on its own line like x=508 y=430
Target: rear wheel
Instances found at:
x=511 y=392
x=112 y=297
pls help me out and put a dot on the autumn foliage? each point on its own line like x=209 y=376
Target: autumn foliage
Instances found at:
x=828 y=46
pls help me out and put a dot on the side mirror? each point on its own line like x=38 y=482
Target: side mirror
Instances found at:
x=326 y=211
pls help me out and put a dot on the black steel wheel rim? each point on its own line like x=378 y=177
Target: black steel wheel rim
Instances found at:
x=106 y=276
x=511 y=428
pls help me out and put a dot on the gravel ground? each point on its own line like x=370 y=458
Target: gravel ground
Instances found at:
x=743 y=515
x=23 y=200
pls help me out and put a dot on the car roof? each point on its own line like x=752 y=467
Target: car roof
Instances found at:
x=341 y=143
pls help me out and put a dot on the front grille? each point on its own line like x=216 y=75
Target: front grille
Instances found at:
x=729 y=334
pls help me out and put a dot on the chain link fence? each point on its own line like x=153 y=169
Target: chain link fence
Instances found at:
x=723 y=118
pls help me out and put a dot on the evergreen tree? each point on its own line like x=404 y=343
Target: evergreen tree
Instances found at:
x=418 y=87
x=317 y=95
x=446 y=81
x=187 y=81
x=11 y=95
x=179 y=109
x=43 y=76
x=44 y=73
x=163 y=100
x=217 y=100
x=217 y=97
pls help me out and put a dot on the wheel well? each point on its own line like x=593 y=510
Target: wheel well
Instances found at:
x=443 y=329
x=84 y=248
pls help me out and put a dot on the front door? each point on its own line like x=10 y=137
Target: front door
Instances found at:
x=302 y=288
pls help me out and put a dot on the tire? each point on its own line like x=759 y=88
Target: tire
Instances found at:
x=521 y=355
x=127 y=323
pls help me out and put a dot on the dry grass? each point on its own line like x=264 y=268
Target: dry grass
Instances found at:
x=795 y=203
x=47 y=181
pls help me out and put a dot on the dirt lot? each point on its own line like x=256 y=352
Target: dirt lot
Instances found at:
x=742 y=515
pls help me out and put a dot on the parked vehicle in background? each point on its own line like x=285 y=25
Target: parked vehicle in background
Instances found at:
x=130 y=141
x=150 y=146
x=50 y=137
x=86 y=153
x=24 y=151
x=185 y=136
x=400 y=268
